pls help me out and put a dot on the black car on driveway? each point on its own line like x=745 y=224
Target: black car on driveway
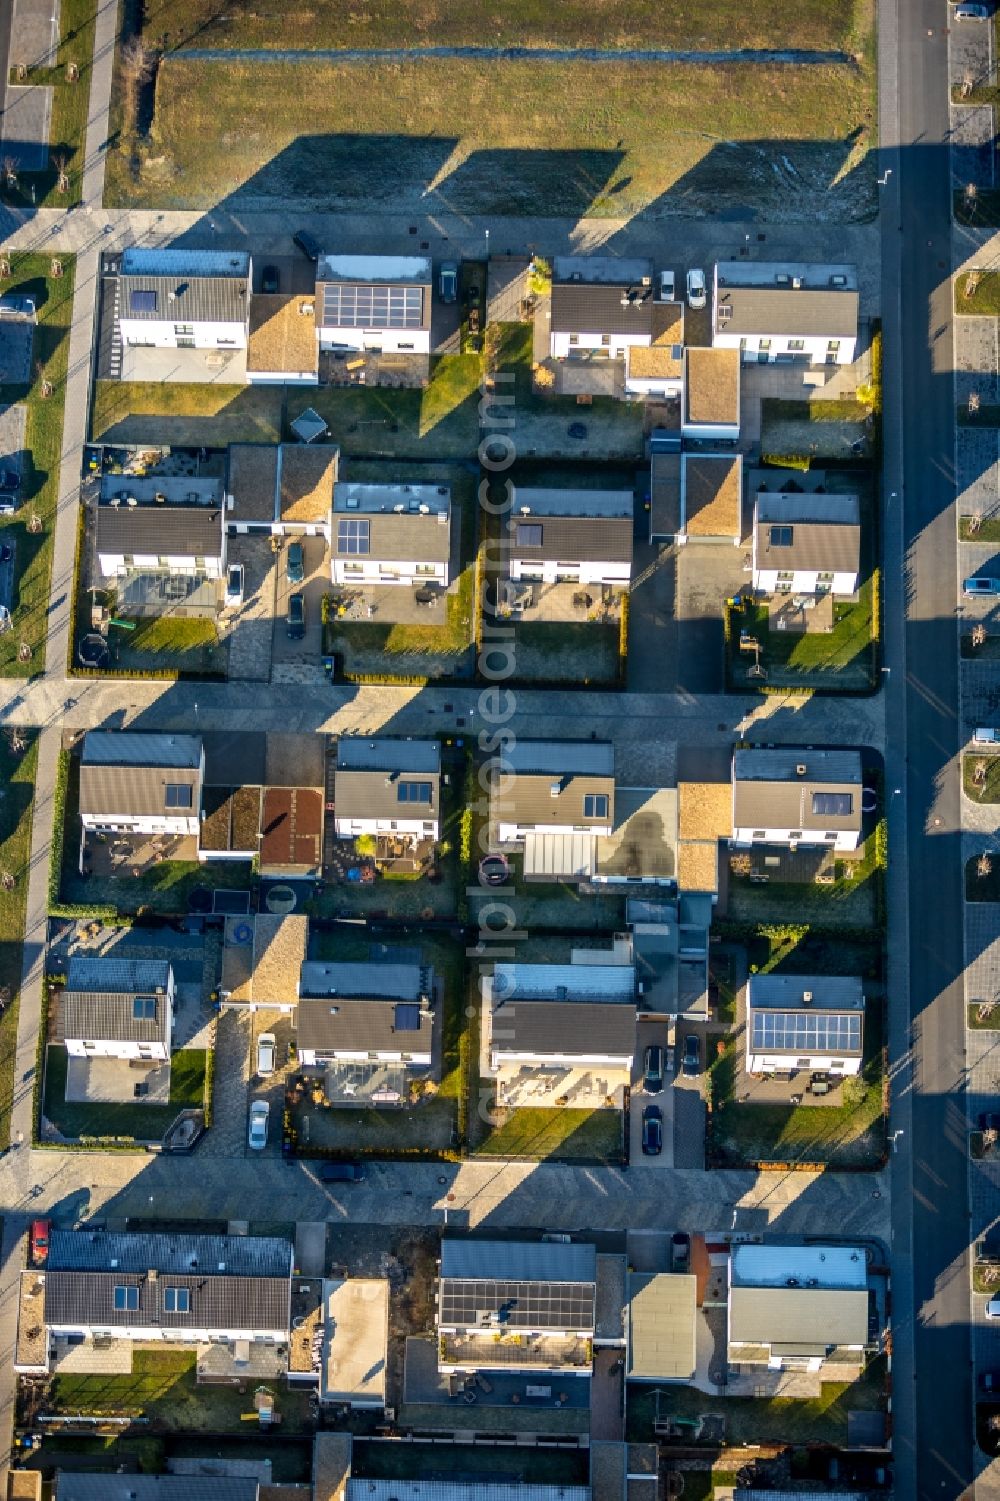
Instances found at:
x=652 y=1131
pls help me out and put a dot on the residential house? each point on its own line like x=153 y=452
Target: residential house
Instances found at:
x=282 y=490
x=262 y=955
x=782 y=311
x=578 y=1018
x=668 y=945
x=601 y=306
x=116 y=1008
x=797 y=798
x=806 y=1022
x=368 y=1026
x=141 y=783
x=182 y=1288
x=380 y=303
x=511 y=1306
x=798 y=1307
x=578 y=536
x=657 y=368
x=806 y=544
x=282 y=348
x=665 y=490
x=184 y=299
x=464 y=1490
x=553 y=799
x=391 y=534
x=172 y=525
x=710 y=411
x=711 y=498
x=388 y=787
x=99 y=1485
x=354 y=1352
x=661 y=1322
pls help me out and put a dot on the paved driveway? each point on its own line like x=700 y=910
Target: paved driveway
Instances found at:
x=249 y=627
x=228 y=1135
x=647 y=1033
x=316 y=584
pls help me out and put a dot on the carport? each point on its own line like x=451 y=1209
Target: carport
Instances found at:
x=558 y=857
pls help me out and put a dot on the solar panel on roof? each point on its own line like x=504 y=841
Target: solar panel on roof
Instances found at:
x=407 y=1017
x=836 y=804
x=349 y=305
x=487 y=1303
x=142 y=302
x=805 y=1032
x=353 y=537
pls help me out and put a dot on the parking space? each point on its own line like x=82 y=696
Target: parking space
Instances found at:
x=650 y=1034
x=446 y=317
x=316 y=583
x=980 y=560
x=228 y=1136
x=270 y=1087
x=689 y=1102
x=707 y=574
x=249 y=627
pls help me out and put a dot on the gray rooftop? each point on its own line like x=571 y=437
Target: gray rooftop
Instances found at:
x=74 y=1485
x=781 y=764
x=770 y=297
x=461 y=1490
x=661 y=1326
x=98 y=1002
x=594 y=758
x=346 y=1024
x=401 y=522
x=137 y=748
x=118 y=976
x=785 y=992
x=379 y=981
x=387 y=268
x=546 y=502
x=184 y=286
x=811 y=1317
x=141 y=1251
x=771 y=792
x=162 y=489
x=174 y=261
x=370 y=500
x=561 y=982
x=354 y=753
x=601 y=268
x=519 y=1261
x=564 y=1028
x=823 y=532
x=187 y=530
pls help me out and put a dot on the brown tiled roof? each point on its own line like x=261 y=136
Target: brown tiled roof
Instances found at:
x=282 y=335
x=826 y=532
x=291 y=826
x=596 y=308
x=705 y=810
x=665 y=356
x=571 y=539
x=711 y=487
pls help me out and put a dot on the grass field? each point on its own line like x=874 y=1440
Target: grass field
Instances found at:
x=167 y=641
x=753 y=1420
x=989 y=530
x=821 y=25
x=43 y=444
x=143 y=1122
x=17 y=779
x=839 y=660
x=986 y=790
x=172 y=412
x=70 y=108
x=511 y=137
x=564 y=1135
x=985 y=299
x=161 y=1388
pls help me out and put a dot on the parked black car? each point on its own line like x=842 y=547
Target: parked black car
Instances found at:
x=296 y=616
x=652 y=1080
x=652 y=1131
x=341 y=1172
x=307 y=244
x=691 y=1062
x=270 y=280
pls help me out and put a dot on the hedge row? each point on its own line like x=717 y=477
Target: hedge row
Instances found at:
x=58 y=831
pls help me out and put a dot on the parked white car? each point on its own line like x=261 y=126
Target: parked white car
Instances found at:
x=259 y=1112
x=668 y=287
x=696 y=289
x=986 y=737
x=266 y=1049
x=993 y=1308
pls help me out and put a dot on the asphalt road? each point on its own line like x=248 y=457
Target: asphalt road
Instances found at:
x=933 y=1403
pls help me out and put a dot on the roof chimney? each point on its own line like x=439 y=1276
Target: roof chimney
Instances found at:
x=807 y=996
x=800 y=768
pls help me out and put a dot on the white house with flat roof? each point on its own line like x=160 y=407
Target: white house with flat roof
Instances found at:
x=778 y=311
x=797 y=1022
x=381 y=303
x=391 y=534
x=184 y=299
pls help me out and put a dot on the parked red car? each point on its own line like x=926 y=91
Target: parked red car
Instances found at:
x=39 y=1241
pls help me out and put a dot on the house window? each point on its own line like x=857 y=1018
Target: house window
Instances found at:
x=353 y=535
x=825 y=578
x=803 y=1062
x=184 y=328
x=595 y=805
x=781 y=536
x=574 y=338
x=404 y=346
x=163 y=562
x=839 y=804
x=764 y=345
x=795 y=834
x=177 y=795
x=830 y=838
x=176 y=1300
x=605 y=338
x=126 y=1299
x=425 y=568
x=184 y=335
x=529 y=534
x=144 y=1008
x=796 y=345
x=199 y=563
x=785 y=577
x=837 y=1063
x=759 y=834
x=413 y=792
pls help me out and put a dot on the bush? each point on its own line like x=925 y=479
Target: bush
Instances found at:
x=786 y=460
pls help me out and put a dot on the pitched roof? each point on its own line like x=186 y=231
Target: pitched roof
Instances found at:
x=824 y=532
x=76 y=1299
x=564 y=1028
x=372 y=777
x=559 y=982
x=376 y=980
x=138 y=775
x=353 y=1025
x=712 y=494
x=547 y=782
x=785 y=992
x=759 y=307
x=167 y=530
x=355 y=753
x=664 y=357
x=306 y=476
x=665 y=494
x=98 y=1002
x=169 y=1252
x=596 y=308
x=770 y=793
x=404 y=522
x=578 y=525
x=73 y=1485
x=518 y=1261
x=184 y=286
x=808 y=1317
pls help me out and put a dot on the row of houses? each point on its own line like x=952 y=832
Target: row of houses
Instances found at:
x=600 y=307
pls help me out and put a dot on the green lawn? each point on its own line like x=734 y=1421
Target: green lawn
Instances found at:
x=70 y=108
x=850 y=901
x=839 y=660
x=988 y=529
x=984 y=210
x=143 y=1122
x=843 y=410
x=525 y=136
x=43 y=442
x=162 y=1389
x=834 y=25
x=752 y=1420
x=184 y=415
x=17 y=779
x=987 y=790
x=990 y=1023
x=439 y=422
x=568 y=651
x=985 y=299
x=169 y=642
x=556 y=1134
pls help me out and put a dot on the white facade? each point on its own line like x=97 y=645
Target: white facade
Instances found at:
x=185 y=564
x=390 y=296
x=507 y=1059
x=377 y=340
x=834 y=839
x=187 y=822
x=785 y=311
x=105 y=1047
x=564 y=345
x=803 y=581
x=316 y=1057
x=166 y=334
x=596 y=571
x=349 y=828
x=383 y=571
x=779 y=1063
x=170 y=1335
x=511 y=833
x=767 y=349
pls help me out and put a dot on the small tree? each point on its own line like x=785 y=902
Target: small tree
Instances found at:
x=4 y=265
x=979 y=631
x=55 y=267
x=975 y=401
x=44 y=382
x=9 y=167
x=855 y=1090
x=72 y=72
x=971 y=199
x=24 y=652
x=979 y=773
x=966 y=86
x=7 y=881
x=972 y=282
x=61 y=164
x=540 y=276
x=984 y=866
x=366 y=844
x=136 y=68
x=16 y=742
